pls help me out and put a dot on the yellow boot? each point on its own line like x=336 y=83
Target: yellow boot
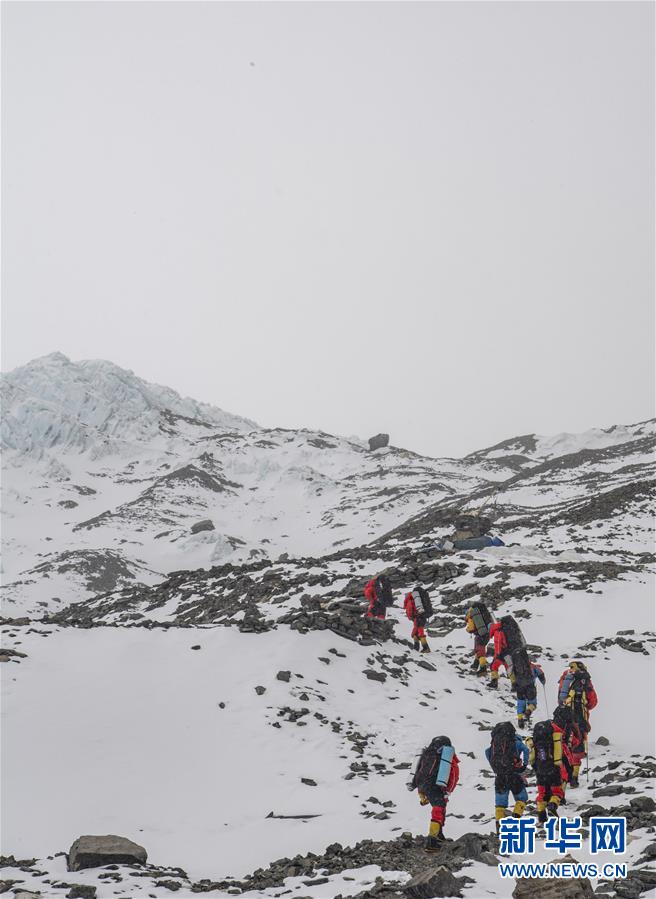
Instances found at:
x=518 y=811
x=494 y=680
x=574 y=782
x=481 y=671
x=424 y=644
x=500 y=811
x=542 y=811
x=435 y=837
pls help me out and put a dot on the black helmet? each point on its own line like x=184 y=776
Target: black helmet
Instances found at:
x=437 y=742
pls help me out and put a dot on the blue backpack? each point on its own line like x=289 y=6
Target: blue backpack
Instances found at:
x=444 y=767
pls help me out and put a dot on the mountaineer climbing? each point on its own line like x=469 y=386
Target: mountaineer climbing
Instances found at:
x=575 y=690
x=508 y=758
x=435 y=777
x=546 y=757
x=508 y=638
x=379 y=593
x=571 y=739
x=526 y=674
x=418 y=608
x=477 y=622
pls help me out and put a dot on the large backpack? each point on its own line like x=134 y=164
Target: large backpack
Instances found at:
x=503 y=748
x=422 y=601
x=543 y=746
x=522 y=668
x=565 y=686
x=579 y=686
x=383 y=590
x=482 y=618
x=434 y=768
x=514 y=637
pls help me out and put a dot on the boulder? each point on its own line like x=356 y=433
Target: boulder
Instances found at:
x=555 y=888
x=378 y=442
x=434 y=882
x=642 y=804
x=205 y=525
x=81 y=891
x=97 y=851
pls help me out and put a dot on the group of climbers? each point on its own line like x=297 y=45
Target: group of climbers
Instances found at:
x=556 y=747
x=509 y=652
x=417 y=605
x=554 y=750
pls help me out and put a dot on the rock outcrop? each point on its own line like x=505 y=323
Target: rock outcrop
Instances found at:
x=378 y=442
x=97 y=851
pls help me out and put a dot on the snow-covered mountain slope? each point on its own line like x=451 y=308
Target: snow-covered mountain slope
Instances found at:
x=190 y=759
x=99 y=462
x=130 y=706
x=533 y=448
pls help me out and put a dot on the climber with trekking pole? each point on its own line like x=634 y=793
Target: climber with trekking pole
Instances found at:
x=575 y=690
x=508 y=757
x=526 y=673
x=435 y=778
x=508 y=638
x=418 y=608
x=378 y=592
x=477 y=622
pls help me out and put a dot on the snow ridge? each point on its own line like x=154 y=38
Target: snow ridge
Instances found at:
x=53 y=402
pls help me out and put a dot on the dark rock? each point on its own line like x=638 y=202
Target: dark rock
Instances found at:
x=642 y=804
x=378 y=442
x=308 y=781
x=375 y=675
x=602 y=741
x=434 y=882
x=284 y=676
x=556 y=888
x=612 y=790
x=205 y=525
x=97 y=851
x=197 y=646
x=81 y=891
x=260 y=690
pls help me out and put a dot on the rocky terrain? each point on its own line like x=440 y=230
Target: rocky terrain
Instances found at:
x=186 y=662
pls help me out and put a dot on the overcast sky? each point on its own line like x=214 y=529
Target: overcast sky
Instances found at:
x=433 y=219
